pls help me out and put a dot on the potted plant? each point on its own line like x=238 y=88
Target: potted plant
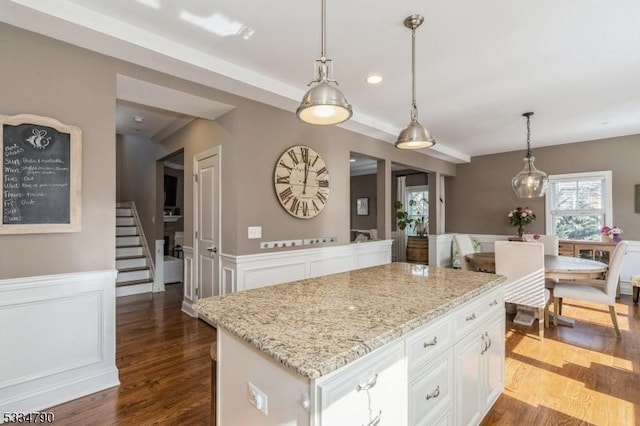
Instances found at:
x=417 y=246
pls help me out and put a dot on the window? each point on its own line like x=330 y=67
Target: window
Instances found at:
x=419 y=209
x=578 y=205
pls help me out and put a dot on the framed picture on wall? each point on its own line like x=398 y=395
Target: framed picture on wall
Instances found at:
x=362 y=207
x=637 y=198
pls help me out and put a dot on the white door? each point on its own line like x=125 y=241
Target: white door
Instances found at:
x=207 y=232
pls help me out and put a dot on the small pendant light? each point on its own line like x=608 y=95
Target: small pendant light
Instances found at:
x=414 y=136
x=530 y=182
x=324 y=104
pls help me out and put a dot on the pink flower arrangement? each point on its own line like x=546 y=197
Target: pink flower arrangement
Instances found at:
x=521 y=217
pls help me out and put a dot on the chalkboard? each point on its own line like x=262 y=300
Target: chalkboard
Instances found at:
x=40 y=175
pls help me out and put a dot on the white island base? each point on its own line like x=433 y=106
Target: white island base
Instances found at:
x=449 y=371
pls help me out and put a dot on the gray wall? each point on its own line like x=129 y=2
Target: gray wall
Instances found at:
x=47 y=77
x=136 y=177
x=364 y=187
x=44 y=77
x=480 y=196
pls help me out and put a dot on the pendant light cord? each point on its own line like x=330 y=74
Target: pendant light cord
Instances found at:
x=528 y=115
x=414 y=107
x=323 y=53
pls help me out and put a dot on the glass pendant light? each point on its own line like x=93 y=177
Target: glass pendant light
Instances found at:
x=530 y=182
x=414 y=136
x=324 y=104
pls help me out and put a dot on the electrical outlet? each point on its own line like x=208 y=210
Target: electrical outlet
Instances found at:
x=280 y=244
x=258 y=398
x=254 y=232
x=319 y=240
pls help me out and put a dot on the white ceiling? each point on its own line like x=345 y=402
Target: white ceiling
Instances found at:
x=480 y=64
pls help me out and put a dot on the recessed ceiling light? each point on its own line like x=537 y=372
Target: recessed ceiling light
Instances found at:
x=138 y=118
x=374 y=79
x=352 y=160
x=605 y=123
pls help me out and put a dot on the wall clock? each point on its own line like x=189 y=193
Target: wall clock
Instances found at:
x=302 y=182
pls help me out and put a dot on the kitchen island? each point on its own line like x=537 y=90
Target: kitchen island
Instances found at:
x=390 y=345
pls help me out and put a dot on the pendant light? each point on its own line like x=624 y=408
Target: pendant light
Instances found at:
x=530 y=182
x=414 y=136
x=324 y=104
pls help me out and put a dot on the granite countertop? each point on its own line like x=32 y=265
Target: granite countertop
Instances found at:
x=317 y=325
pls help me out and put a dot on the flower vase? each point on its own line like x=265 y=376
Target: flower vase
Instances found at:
x=520 y=230
x=617 y=238
x=605 y=238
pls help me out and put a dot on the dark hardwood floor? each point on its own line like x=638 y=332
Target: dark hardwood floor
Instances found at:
x=163 y=359
x=577 y=376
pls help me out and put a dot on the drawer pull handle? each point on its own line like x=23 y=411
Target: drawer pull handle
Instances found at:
x=431 y=343
x=471 y=317
x=494 y=303
x=434 y=394
x=376 y=420
x=371 y=383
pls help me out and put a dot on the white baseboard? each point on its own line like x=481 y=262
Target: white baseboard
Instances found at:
x=58 y=339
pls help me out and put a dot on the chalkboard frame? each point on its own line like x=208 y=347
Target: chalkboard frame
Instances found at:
x=75 y=176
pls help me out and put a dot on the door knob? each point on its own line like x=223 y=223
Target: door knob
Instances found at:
x=213 y=249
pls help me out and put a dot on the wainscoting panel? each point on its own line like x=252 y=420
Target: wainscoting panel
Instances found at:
x=188 y=280
x=259 y=270
x=58 y=339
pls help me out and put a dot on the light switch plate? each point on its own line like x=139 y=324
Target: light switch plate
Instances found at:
x=254 y=232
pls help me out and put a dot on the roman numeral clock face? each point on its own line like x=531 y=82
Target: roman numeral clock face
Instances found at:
x=302 y=182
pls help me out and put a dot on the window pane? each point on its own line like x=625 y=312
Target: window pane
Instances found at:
x=578 y=227
x=565 y=196
x=590 y=194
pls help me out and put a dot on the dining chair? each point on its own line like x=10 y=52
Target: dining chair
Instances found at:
x=592 y=293
x=523 y=265
x=550 y=242
x=464 y=246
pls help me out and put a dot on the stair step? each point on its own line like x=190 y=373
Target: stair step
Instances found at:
x=128 y=251
x=129 y=289
x=133 y=274
x=131 y=262
x=125 y=221
x=126 y=231
x=132 y=282
x=127 y=241
x=123 y=212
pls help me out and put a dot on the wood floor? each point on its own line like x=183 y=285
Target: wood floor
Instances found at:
x=577 y=376
x=163 y=359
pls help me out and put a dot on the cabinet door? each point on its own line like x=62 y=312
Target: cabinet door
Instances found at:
x=370 y=392
x=493 y=360
x=468 y=378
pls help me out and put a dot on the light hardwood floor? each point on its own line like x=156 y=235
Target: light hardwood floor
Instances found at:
x=577 y=376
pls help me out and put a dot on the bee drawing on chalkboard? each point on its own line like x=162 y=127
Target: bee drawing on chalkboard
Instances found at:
x=39 y=139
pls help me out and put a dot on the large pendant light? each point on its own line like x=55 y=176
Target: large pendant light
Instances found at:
x=324 y=104
x=414 y=136
x=530 y=182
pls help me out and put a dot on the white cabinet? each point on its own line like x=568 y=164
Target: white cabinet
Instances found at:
x=371 y=391
x=479 y=370
x=431 y=391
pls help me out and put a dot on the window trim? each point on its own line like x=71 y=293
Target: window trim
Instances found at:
x=607 y=196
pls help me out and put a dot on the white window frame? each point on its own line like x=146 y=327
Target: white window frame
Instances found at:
x=416 y=188
x=607 y=197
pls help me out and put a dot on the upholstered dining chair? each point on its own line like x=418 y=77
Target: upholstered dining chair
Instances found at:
x=464 y=246
x=550 y=243
x=523 y=265
x=592 y=293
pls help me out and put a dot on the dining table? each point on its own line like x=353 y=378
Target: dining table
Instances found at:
x=555 y=267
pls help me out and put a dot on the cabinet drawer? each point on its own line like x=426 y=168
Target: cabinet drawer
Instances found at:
x=471 y=315
x=429 y=342
x=369 y=389
x=430 y=394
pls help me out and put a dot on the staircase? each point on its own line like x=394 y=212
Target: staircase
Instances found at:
x=133 y=260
